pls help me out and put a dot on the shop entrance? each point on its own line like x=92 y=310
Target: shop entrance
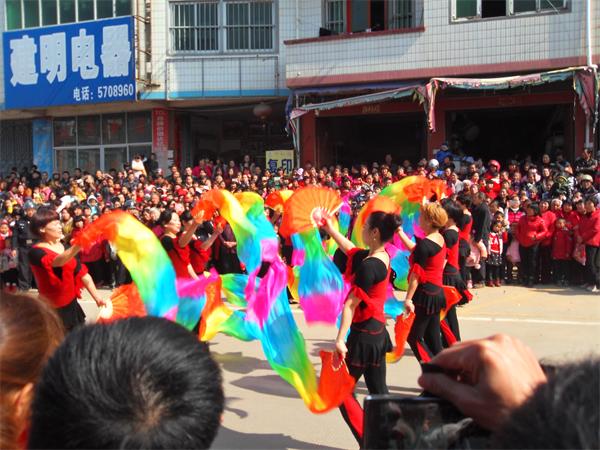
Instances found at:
x=511 y=132
x=364 y=139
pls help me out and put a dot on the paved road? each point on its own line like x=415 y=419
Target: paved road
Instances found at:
x=264 y=412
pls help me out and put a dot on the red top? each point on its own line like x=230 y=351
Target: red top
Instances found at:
x=530 y=230
x=464 y=233
x=374 y=298
x=59 y=285
x=452 y=247
x=429 y=269
x=562 y=245
x=198 y=257
x=549 y=218
x=3 y=240
x=589 y=228
x=180 y=257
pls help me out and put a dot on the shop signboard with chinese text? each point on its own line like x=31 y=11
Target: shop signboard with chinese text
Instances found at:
x=80 y=63
x=160 y=137
x=276 y=159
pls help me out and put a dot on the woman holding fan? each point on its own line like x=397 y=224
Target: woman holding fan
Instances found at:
x=368 y=342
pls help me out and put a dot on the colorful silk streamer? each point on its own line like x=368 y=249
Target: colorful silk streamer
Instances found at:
x=321 y=287
x=281 y=340
x=142 y=254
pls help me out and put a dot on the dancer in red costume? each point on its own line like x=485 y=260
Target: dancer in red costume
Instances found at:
x=58 y=274
x=425 y=294
x=451 y=274
x=364 y=351
x=464 y=236
x=176 y=245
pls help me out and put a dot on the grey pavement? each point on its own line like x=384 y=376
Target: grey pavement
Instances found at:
x=264 y=412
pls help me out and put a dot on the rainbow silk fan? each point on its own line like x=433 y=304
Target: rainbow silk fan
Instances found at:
x=276 y=200
x=308 y=208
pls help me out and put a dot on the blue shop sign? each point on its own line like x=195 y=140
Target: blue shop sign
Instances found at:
x=75 y=64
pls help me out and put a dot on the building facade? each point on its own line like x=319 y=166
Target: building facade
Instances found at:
x=372 y=46
x=205 y=78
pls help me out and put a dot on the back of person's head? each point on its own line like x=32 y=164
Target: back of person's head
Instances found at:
x=454 y=211
x=434 y=214
x=464 y=199
x=135 y=383
x=386 y=223
x=30 y=330
x=562 y=413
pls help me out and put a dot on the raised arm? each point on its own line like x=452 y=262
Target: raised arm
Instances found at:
x=408 y=242
x=342 y=241
x=66 y=256
x=187 y=235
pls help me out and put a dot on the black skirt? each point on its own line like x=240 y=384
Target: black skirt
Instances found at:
x=429 y=298
x=72 y=315
x=452 y=277
x=367 y=343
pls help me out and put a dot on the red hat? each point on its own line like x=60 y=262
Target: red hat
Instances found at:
x=493 y=162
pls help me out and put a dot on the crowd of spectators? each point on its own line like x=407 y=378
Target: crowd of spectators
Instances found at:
x=543 y=212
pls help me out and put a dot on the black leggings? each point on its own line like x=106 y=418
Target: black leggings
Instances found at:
x=592 y=263
x=529 y=256
x=493 y=272
x=424 y=337
x=351 y=410
x=450 y=328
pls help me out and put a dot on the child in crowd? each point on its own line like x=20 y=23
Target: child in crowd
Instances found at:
x=8 y=262
x=562 y=250
x=495 y=249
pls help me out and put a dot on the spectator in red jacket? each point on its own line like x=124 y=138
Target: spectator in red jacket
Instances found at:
x=569 y=215
x=531 y=230
x=562 y=251
x=589 y=233
x=545 y=260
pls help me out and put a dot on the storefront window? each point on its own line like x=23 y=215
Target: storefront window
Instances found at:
x=115 y=157
x=113 y=129
x=88 y=130
x=89 y=159
x=143 y=150
x=139 y=127
x=101 y=142
x=66 y=159
x=65 y=132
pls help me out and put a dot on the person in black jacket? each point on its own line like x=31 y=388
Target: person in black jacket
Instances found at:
x=22 y=240
x=481 y=228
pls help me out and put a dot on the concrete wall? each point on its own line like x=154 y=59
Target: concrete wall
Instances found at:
x=510 y=44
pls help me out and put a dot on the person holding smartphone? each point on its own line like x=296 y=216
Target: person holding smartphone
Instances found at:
x=364 y=350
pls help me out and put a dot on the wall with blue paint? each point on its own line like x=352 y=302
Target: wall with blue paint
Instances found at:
x=43 y=156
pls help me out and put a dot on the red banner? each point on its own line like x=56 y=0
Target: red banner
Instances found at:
x=160 y=136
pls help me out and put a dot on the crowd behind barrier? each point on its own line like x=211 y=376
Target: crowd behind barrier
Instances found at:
x=534 y=221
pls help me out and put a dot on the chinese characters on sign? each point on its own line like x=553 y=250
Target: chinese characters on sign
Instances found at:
x=280 y=159
x=160 y=136
x=89 y=62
